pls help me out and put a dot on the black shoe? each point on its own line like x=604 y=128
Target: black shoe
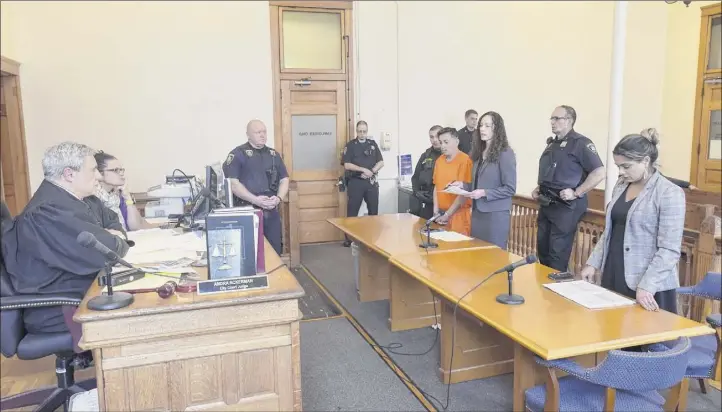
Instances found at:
x=83 y=360
x=347 y=243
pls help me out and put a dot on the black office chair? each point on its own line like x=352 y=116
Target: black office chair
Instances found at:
x=15 y=340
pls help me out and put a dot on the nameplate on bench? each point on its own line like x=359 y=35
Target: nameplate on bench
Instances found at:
x=209 y=287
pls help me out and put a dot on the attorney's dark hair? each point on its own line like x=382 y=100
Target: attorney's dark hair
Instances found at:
x=102 y=158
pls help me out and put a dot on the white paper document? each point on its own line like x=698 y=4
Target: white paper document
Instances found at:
x=456 y=191
x=589 y=295
x=449 y=236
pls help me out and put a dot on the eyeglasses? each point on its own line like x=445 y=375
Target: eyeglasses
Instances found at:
x=118 y=170
x=556 y=118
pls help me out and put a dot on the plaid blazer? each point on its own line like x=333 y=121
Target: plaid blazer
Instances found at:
x=652 y=237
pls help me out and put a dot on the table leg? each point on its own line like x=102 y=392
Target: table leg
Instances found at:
x=480 y=351
x=373 y=281
x=528 y=373
x=411 y=304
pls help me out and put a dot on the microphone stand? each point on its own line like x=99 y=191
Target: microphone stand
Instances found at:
x=428 y=244
x=111 y=300
x=510 y=298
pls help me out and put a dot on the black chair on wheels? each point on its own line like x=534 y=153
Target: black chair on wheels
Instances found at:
x=15 y=340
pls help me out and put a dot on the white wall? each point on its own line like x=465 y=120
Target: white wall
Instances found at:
x=158 y=84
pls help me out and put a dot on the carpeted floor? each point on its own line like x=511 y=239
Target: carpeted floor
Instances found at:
x=341 y=372
x=314 y=304
x=332 y=265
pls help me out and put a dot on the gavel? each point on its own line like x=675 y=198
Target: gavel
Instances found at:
x=167 y=289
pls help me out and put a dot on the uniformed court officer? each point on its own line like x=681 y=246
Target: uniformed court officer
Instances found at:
x=259 y=177
x=362 y=160
x=422 y=202
x=569 y=167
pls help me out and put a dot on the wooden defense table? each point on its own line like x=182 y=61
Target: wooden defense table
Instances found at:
x=236 y=351
x=381 y=237
x=492 y=338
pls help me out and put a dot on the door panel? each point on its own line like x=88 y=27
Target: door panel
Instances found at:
x=709 y=171
x=314 y=129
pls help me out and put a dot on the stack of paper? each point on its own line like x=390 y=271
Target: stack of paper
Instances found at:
x=445 y=236
x=589 y=295
x=161 y=245
x=455 y=191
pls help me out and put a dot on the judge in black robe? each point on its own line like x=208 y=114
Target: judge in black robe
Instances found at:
x=42 y=255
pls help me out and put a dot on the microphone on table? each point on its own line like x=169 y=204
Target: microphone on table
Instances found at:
x=428 y=244
x=510 y=298
x=111 y=300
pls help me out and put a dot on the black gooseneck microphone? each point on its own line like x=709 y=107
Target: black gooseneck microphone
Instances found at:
x=111 y=300
x=510 y=298
x=427 y=226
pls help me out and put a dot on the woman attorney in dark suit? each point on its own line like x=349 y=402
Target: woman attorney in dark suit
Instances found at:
x=493 y=181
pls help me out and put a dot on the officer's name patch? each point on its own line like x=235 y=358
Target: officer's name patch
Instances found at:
x=229 y=159
x=591 y=148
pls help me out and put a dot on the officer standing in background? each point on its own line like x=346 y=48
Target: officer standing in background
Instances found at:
x=422 y=182
x=259 y=177
x=466 y=133
x=569 y=168
x=362 y=160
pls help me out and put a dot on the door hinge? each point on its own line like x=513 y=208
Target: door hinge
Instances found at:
x=699 y=148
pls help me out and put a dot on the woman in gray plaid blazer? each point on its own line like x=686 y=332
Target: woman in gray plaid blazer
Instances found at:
x=639 y=250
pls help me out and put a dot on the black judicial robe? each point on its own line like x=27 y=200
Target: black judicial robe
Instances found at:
x=41 y=254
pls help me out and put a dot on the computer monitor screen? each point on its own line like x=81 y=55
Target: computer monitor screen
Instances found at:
x=212 y=181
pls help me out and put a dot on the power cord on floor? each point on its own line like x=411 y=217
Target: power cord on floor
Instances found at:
x=391 y=346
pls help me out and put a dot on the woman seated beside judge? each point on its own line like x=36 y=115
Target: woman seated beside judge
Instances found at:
x=639 y=250
x=494 y=181
x=453 y=166
x=110 y=192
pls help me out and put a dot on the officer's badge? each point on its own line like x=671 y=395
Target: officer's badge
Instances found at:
x=564 y=143
x=273 y=152
x=344 y=149
x=229 y=159
x=373 y=147
x=591 y=148
x=249 y=152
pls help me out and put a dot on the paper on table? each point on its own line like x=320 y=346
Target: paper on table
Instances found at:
x=456 y=191
x=589 y=295
x=449 y=236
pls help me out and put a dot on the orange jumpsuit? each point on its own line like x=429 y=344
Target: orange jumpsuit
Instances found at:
x=446 y=172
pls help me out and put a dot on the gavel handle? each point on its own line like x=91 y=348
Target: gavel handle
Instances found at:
x=133 y=291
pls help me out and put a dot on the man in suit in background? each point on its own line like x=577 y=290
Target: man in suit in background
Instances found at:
x=466 y=133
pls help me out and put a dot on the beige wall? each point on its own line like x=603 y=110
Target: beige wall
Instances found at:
x=159 y=84
x=166 y=85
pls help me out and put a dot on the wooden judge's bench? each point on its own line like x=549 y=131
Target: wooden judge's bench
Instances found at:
x=235 y=351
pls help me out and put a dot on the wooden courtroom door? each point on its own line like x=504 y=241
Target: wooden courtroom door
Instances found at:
x=14 y=177
x=312 y=70
x=709 y=162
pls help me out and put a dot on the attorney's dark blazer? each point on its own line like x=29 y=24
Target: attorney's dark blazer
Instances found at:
x=498 y=179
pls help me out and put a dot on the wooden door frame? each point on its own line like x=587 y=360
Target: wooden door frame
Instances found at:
x=289 y=210
x=708 y=13
x=10 y=71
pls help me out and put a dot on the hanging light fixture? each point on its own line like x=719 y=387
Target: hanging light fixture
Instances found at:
x=686 y=2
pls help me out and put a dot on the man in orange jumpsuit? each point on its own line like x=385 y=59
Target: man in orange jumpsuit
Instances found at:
x=454 y=165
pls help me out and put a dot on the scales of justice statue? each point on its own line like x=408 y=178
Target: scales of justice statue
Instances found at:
x=225 y=254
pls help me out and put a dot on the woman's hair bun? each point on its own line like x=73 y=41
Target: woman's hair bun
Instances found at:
x=651 y=134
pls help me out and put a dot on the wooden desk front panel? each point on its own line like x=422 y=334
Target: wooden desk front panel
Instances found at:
x=252 y=367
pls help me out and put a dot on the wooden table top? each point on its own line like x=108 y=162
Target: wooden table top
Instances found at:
x=393 y=234
x=547 y=323
x=282 y=285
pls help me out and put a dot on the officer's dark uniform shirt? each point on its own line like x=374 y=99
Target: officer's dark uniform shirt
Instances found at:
x=365 y=154
x=422 y=180
x=465 y=139
x=252 y=167
x=566 y=163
